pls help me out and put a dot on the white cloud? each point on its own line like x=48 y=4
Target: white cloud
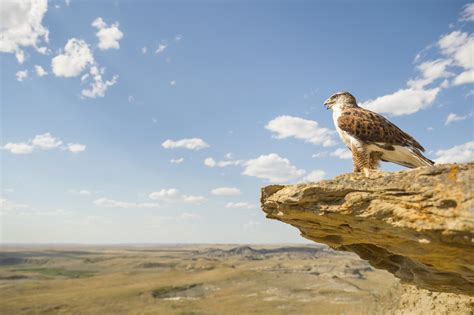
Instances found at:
x=144 y=50
x=210 y=162
x=172 y=195
x=464 y=77
x=76 y=147
x=444 y=84
x=299 y=128
x=18 y=148
x=178 y=37
x=458 y=46
x=21 y=75
x=109 y=37
x=403 y=102
x=226 y=191
x=21 y=26
x=20 y=56
x=40 y=71
x=177 y=161
x=76 y=57
x=226 y=163
x=342 y=153
x=452 y=117
x=190 y=144
x=85 y=77
x=240 y=205
x=449 y=43
x=462 y=153
x=172 y=82
x=193 y=199
x=189 y=216
x=98 y=86
x=46 y=141
x=99 y=23
x=111 y=203
x=273 y=168
x=161 y=48
x=315 y=176
x=320 y=154
x=430 y=71
x=43 y=50
x=468 y=12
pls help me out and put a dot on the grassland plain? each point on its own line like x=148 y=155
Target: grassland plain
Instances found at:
x=191 y=279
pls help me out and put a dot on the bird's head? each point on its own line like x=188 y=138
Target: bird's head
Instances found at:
x=341 y=100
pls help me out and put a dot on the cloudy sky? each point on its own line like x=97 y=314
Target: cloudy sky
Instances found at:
x=140 y=121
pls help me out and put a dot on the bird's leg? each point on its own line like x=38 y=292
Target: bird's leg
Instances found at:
x=374 y=163
x=360 y=158
x=374 y=160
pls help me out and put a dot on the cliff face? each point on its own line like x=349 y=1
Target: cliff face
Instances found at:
x=417 y=224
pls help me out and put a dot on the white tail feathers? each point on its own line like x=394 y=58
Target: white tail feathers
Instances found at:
x=423 y=160
x=406 y=156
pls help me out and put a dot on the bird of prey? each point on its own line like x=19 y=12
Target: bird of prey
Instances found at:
x=371 y=137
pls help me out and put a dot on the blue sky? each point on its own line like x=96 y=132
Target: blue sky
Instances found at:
x=142 y=121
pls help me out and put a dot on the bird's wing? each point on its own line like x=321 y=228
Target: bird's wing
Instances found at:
x=370 y=127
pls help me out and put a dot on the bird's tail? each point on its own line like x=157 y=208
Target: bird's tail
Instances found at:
x=407 y=156
x=420 y=159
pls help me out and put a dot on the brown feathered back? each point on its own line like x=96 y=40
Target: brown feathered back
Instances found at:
x=370 y=127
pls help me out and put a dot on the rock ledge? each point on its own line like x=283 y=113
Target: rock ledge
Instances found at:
x=417 y=224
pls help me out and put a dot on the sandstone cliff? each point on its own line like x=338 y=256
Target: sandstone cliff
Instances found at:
x=417 y=224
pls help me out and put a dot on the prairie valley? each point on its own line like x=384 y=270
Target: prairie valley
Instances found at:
x=190 y=279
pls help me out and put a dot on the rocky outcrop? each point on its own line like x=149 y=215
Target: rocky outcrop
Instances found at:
x=417 y=224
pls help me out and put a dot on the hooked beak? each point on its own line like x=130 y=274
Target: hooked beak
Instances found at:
x=327 y=104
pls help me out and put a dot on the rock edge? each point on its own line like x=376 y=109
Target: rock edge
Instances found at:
x=417 y=224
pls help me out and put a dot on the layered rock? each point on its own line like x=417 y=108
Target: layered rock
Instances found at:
x=417 y=224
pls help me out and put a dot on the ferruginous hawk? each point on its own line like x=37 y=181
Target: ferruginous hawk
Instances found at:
x=371 y=137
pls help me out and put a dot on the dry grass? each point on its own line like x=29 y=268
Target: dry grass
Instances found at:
x=190 y=280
